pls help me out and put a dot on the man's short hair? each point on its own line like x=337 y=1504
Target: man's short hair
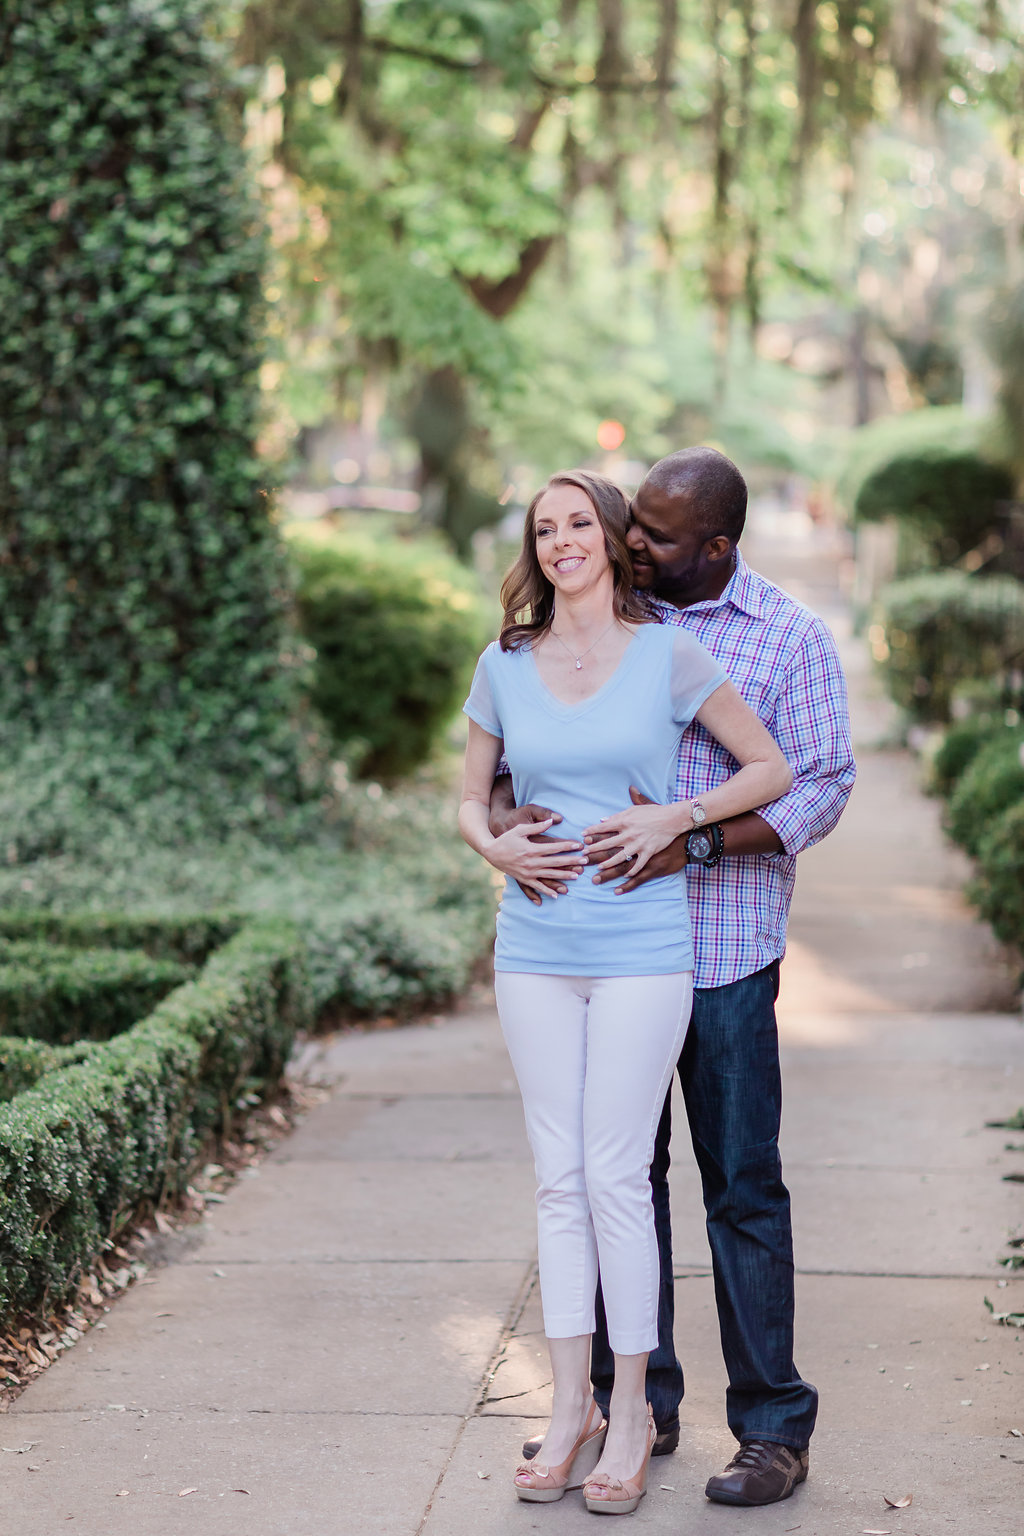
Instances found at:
x=716 y=487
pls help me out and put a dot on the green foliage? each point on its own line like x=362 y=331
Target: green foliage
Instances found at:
x=84 y=1148
x=64 y=995
x=945 y=628
x=141 y=588
x=946 y=428
x=396 y=630
x=953 y=497
x=992 y=783
x=24 y=1062
x=375 y=875
x=998 y=888
x=188 y=937
x=959 y=746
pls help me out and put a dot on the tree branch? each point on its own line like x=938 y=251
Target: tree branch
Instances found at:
x=499 y=298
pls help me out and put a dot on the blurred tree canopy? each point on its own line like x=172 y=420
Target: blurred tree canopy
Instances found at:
x=428 y=162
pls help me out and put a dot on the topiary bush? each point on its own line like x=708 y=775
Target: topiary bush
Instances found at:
x=958 y=749
x=142 y=591
x=64 y=995
x=88 y=1144
x=998 y=887
x=937 y=473
x=943 y=628
x=954 y=498
x=991 y=784
x=24 y=1062
x=397 y=629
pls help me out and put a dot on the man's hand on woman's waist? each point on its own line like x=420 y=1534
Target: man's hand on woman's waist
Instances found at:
x=746 y=834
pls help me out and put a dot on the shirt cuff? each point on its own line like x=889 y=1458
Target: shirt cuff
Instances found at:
x=789 y=822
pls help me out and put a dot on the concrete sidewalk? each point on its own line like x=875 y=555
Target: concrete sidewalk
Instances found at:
x=353 y=1338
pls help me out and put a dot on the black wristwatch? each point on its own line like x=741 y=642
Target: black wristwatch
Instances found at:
x=705 y=845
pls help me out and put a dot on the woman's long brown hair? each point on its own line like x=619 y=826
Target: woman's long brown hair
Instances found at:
x=527 y=596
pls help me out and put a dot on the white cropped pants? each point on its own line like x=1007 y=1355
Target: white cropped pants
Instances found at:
x=594 y=1057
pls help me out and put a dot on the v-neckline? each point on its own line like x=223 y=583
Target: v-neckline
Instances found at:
x=577 y=705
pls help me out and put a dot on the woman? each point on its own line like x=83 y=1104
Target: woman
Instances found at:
x=589 y=694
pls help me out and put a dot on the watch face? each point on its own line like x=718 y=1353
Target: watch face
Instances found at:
x=698 y=845
x=698 y=812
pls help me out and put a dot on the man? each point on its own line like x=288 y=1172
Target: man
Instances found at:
x=688 y=516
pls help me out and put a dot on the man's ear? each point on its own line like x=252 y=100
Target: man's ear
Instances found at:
x=718 y=548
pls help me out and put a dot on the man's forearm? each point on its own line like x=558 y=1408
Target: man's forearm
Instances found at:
x=749 y=833
x=503 y=803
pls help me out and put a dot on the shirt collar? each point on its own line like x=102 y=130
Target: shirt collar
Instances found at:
x=742 y=590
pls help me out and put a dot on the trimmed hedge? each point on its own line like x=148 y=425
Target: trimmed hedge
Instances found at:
x=91 y=1142
x=397 y=629
x=24 y=1062
x=998 y=887
x=64 y=995
x=958 y=749
x=992 y=784
x=189 y=937
x=943 y=629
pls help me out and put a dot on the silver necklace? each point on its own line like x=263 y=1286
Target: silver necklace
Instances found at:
x=579 y=659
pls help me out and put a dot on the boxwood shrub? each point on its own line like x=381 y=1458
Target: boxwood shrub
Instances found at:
x=958 y=748
x=24 y=1062
x=188 y=937
x=396 y=628
x=93 y=1141
x=998 y=887
x=992 y=783
x=944 y=628
x=63 y=995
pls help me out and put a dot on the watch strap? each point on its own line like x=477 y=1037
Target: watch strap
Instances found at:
x=713 y=831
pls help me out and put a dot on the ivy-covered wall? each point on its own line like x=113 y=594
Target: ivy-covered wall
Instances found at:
x=141 y=585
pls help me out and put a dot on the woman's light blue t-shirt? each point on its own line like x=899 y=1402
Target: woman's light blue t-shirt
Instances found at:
x=580 y=759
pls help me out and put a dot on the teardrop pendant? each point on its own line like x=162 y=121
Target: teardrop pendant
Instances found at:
x=579 y=665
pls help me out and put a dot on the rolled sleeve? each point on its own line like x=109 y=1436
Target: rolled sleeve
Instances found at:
x=811 y=724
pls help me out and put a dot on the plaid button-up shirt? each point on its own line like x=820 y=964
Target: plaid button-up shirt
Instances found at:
x=783 y=660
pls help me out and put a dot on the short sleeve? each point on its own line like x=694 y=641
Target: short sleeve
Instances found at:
x=695 y=676
x=480 y=704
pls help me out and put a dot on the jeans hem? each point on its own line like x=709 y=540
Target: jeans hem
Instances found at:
x=771 y=1438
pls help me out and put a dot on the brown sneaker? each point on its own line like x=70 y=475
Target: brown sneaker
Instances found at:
x=761 y=1472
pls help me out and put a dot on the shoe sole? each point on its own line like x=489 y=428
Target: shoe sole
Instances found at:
x=613 y=1506
x=586 y=1459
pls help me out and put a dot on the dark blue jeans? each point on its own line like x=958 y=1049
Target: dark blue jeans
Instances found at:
x=732 y=1087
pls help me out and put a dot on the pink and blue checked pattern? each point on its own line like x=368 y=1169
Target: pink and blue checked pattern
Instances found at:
x=783 y=660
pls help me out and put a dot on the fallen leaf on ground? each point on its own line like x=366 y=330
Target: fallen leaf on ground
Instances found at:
x=1014 y=1123
x=876 y=1533
x=904 y=1503
x=1018 y=1434
x=183 y=1491
x=122 y=1495
x=1008 y=1319
x=483 y=1475
x=240 y=1490
x=667 y=1487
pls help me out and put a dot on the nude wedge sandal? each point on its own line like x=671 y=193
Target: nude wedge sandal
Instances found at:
x=548 y=1484
x=610 y=1496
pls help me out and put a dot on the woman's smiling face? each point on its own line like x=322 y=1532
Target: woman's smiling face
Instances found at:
x=569 y=539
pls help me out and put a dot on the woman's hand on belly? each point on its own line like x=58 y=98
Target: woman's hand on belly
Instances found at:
x=536 y=864
x=634 y=835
